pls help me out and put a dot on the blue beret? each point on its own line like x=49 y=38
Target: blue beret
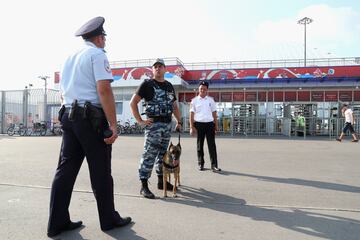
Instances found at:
x=92 y=28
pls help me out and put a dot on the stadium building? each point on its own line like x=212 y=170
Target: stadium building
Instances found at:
x=256 y=97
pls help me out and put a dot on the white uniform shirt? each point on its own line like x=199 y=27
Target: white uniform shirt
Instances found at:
x=348 y=116
x=203 y=108
x=80 y=73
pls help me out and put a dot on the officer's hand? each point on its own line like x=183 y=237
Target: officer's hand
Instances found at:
x=113 y=137
x=146 y=122
x=178 y=127
x=192 y=131
x=216 y=129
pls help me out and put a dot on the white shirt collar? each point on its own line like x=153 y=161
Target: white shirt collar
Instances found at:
x=203 y=98
x=93 y=45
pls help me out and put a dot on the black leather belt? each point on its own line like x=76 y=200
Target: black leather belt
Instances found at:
x=78 y=110
x=161 y=119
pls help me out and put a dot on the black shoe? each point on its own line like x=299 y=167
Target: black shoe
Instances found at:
x=355 y=140
x=120 y=223
x=145 y=191
x=338 y=139
x=161 y=185
x=123 y=222
x=70 y=226
x=201 y=168
x=215 y=169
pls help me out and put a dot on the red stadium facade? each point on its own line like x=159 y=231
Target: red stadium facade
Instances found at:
x=256 y=97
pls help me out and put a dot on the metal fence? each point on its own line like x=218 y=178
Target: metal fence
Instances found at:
x=28 y=106
x=261 y=126
x=31 y=106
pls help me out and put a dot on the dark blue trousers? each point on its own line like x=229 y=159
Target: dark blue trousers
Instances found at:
x=80 y=140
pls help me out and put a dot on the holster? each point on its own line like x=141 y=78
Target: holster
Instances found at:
x=96 y=116
x=61 y=112
x=72 y=111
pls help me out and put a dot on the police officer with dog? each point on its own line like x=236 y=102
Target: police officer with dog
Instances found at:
x=88 y=120
x=160 y=104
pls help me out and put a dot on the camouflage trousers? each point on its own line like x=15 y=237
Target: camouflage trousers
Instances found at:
x=157 y=137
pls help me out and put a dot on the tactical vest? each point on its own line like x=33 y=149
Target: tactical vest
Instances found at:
x=161 y=105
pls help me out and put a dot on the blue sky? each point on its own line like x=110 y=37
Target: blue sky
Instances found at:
x=38 y=36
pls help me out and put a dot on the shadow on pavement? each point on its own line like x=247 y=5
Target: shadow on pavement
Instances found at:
x=302 y=182
x=125 y=233
x=310 y=223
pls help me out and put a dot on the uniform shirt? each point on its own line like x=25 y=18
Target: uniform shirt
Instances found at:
x=80 y=73
x=203 y=108
x=348 y=116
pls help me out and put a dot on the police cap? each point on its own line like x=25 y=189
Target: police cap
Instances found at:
x=206 y=84
x=92 y=28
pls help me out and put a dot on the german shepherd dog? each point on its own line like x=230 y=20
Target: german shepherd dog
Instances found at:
x=171 y=164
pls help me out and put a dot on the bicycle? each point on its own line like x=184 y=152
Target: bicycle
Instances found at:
x=14 y=129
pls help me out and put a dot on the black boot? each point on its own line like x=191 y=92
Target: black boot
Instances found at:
x=145 y=191
x=161 y=184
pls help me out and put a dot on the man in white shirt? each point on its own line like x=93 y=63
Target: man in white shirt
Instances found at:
x=349 y=122
x=203 y=121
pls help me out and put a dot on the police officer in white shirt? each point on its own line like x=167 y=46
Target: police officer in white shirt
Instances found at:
x=349 y=122
x=88 y=112
x=203 y=121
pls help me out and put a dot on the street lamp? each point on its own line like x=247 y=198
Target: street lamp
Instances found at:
x=45 y=94
x=305 y=21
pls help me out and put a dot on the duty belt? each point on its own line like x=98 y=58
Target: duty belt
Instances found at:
x=79 y=110
x=162 y=119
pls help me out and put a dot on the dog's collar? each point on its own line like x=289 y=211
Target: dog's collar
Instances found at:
x=169 y=166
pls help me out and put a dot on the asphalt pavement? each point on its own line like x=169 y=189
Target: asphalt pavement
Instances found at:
x=269 y=189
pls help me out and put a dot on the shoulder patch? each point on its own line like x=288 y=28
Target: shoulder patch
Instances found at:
x=107 y=66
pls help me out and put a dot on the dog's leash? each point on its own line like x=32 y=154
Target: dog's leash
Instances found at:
x=179 y=134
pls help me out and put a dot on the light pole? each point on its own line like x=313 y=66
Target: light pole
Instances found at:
x=305 y=21
x=45 y=94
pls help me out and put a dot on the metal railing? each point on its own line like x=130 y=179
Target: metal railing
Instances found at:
x=281 y=63
x=27 y=107
x=144 y=62
x=262 y=126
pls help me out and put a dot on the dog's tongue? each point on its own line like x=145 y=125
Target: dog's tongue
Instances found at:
x=175 y=162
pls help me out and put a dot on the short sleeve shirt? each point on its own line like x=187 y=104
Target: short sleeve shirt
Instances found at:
x=80 y=73
x=348 y=115
x=203 y=108
x=146 y=89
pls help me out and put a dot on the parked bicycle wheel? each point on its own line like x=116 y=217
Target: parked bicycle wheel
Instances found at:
x=11 y=131
x=22 y=131
x=57 y=131
x=43 y=132
x=29 y=132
